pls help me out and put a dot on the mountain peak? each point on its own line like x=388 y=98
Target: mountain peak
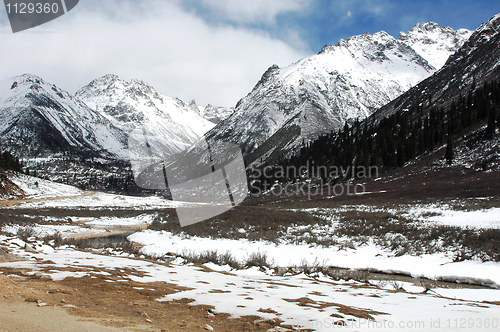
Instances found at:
x=102 y=82
x=489 y=29
x=39 y=119
x=434 y=42
x=28 y=78
x=29 y=83
x=426 y=26
x=484 y=33
x=136 y=104
x=380 y=37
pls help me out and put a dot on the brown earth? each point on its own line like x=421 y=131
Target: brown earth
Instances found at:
x=100 y=303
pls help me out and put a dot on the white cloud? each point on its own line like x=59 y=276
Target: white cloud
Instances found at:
x=246 y=11
x=155 y=41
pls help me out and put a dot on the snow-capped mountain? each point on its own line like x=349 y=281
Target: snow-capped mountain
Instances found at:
x=137 y=105
x=433 y=42
x=476 y=62
x=344 y=82
x=61 y=137
x=39 y=119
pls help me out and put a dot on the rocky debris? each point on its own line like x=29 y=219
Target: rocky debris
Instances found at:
x=28 y=248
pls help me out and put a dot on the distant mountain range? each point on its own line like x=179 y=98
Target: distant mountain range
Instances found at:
x=38 y=119
x=137 y=105
x=345 y=82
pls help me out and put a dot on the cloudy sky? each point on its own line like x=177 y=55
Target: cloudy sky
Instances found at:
x=213 y=51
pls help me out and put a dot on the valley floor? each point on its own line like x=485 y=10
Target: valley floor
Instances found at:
x=366 y=263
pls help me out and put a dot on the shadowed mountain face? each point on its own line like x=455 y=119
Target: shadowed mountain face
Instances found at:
x=478 y=61
x=37 y=119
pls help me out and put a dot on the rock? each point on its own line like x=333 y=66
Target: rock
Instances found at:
x=208 y=327
x=280 y=271
x=42 y=304
x=40 y=275
x=28 y=248
x=5 y=256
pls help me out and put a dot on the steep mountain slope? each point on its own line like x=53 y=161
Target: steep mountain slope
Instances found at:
x=344 y=82
x=433 y=42
x=61 y=137
x=476 y=62
x=448 y=124
x=137 y=105
x=37 y=119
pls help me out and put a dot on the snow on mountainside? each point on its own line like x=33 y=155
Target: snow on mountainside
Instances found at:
x=344 y=82
x=135 y=104
x=475 y=63
x=214 y=114
x=434 y=42
x=483 y=34
x=39 y=119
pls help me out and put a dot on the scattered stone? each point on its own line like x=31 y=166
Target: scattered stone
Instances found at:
x=41 y=304
x=5 y=256
x=208 y=327
x=28 y=248
x=40 y=275
x=149 y=321
x=267 y=311
x=281 y=271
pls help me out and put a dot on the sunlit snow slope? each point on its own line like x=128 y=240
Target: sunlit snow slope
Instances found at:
x=344 y=82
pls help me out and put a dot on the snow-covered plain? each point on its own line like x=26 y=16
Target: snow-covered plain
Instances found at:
x=39 y=193
x=300 y=300
x=489 y=218
x=34 y=187
x=370 y=257
x=312 y=300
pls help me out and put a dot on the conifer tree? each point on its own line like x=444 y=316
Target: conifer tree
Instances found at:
x=490 y=130
x=449 y=155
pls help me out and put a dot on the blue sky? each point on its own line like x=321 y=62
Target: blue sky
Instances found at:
x=213 y=51
x=320 y=22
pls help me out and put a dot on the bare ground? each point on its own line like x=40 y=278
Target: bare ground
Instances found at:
x=31 y=303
